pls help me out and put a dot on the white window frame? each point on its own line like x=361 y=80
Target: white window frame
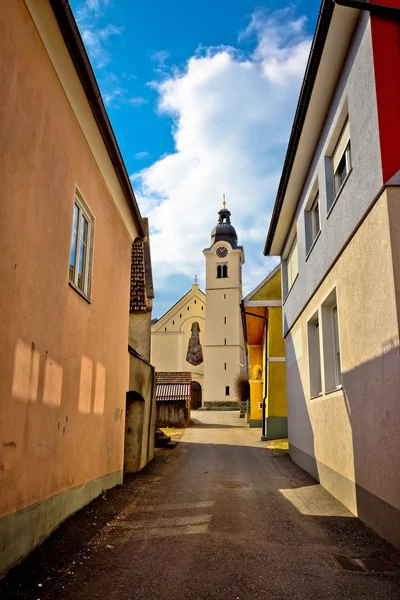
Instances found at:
x=83 y=211
x=342 y=151
x=315 y=221
x=312 y=220
x=331 y=343
x=292 y=264
x=314 y=356
x=336 y=347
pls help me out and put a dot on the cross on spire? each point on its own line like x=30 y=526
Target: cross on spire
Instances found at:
x=196 y=281
x=224 y=202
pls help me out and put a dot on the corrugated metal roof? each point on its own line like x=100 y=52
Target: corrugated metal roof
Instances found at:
x=173 y=387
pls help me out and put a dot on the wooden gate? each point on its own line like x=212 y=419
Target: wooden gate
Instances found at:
x=196 y=395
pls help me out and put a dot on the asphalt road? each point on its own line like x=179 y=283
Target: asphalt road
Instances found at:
x=221 y=518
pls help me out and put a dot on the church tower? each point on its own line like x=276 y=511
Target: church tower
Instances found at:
x=224 y=350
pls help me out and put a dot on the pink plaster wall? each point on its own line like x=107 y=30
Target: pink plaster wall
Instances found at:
x=64 y=365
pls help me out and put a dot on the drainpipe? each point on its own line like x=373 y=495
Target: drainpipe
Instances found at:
x=378 y=10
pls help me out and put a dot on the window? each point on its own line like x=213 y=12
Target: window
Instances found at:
x=314 y=356
x=80 y=257
x=195 y=301
x=331 y=343
x=341 y=159
x=224 y=366
x=202 y=308
x=180 y=316
x=222 y=271
x=336 y=347
x=292 y=265
x=227 y=390
x=224 y=320
x=225 y=342
x=188 y=307
x=165 y=329
x=173 y=322
x=224 y=296
x=312 y=222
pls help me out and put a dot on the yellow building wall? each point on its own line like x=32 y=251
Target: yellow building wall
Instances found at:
x=271 y=355
x=276 y=370
x=271 y=290
x=256 y=386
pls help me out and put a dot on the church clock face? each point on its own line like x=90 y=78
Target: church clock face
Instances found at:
x=221 y=252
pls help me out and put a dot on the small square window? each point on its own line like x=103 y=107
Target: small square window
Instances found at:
x=80 y=256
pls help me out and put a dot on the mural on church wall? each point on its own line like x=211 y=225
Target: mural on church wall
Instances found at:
x=194 y=354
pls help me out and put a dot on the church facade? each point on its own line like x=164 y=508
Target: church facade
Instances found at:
x=202 y=333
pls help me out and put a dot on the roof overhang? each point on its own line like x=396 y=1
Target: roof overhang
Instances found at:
x=76 y=49
x=255 y=324
x=329 y=48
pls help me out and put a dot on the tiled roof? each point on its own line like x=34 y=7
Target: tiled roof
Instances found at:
x=141 y=275
x=138 y=301
x=147 y=262
x=173 y=386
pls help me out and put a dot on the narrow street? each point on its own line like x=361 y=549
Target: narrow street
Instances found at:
x=220 y=517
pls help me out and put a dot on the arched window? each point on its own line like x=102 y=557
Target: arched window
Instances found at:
x=219 y=271
x=225 y=271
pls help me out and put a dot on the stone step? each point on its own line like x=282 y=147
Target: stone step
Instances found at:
x=162 y=441
x=171 y=444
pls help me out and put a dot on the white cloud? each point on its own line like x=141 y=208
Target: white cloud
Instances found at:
x=116 y=97
x=140 y=155
x=88 y=16
x=232 y=115
x=160 y=56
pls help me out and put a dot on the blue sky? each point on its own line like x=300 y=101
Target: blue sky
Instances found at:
x=201 y=97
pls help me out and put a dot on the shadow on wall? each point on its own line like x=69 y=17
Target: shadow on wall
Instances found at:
x=371 y=393
x=39 y=379
x=140 y=414
x=370 y=452
x=50 y=406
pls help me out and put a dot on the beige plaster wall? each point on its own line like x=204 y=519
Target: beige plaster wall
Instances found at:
x=170 y=335
x=223 y=325
x=140 y=333
x=64 y=366
x=353 y=432
x=140 y=415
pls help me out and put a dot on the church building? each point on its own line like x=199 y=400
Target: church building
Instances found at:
x=202 y=333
